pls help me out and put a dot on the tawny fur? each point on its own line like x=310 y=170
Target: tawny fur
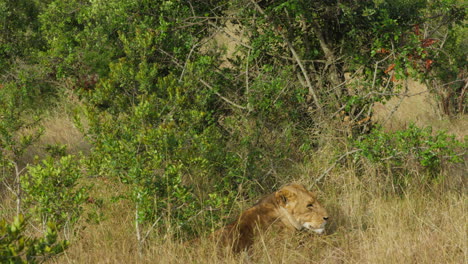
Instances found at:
x=292 y=207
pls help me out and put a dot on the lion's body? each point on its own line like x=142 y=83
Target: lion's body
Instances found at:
x=292 y=207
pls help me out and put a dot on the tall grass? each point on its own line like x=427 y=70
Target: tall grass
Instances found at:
x=370 y=222
x=425 y=224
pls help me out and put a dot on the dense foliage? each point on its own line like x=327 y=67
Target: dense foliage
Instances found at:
x=406 y=150
x=16 y=248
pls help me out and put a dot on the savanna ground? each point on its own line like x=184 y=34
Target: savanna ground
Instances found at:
x=426 y=223
x=366 y=227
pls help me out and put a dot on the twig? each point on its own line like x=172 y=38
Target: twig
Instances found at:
x=18 y=193
x=151 y=228
x=296 y=57
x=186 y=62
x=376 y=68
x=220 y=96
x=137 y=227
x=461 y=99
x=393 y=110
x=247 y=85
x=205 y=83
x=334 y=164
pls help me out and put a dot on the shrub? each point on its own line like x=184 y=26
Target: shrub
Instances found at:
x=430 y=150
x=52 y=190
x=15 y=247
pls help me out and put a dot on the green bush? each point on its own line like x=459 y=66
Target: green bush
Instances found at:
x=19 y=31
x=16 y=247
x=430 y=150
x=52 y=191
x=161 y=140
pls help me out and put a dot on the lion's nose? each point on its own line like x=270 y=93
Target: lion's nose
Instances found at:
x=325 y=218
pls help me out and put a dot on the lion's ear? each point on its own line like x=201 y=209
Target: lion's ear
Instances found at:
x=284 y=196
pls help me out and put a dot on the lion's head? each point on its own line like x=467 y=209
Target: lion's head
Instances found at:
x=300 y=209
x=293 y=207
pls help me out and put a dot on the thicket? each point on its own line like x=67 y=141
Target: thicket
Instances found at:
x=16 y=247
x=191 y=130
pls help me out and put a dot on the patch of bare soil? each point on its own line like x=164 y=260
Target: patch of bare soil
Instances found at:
x=58 y=130
x=415 y=104
x=228 y=38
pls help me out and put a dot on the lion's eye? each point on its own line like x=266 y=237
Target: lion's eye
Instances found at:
x=310 y=206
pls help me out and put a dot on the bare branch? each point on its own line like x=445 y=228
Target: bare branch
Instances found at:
x=296 y=57
x=204 y=83
x=334 y=164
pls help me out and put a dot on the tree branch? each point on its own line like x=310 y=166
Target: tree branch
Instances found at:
x=204 y=82
x=334 y=164
x=296 y=57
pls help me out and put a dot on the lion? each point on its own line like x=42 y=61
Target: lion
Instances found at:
x=292 y=207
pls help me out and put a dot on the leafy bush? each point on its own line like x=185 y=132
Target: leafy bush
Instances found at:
x=19 y=32
x=15 y=116
x=19 y=129
x=16 y=248
x=430 y=150
x=157 y=134
x=52 y=190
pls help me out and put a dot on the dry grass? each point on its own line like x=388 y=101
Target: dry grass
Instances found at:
x=422 y=226
x=58 y=129
x=417 y=105
x=369 y=224
x=419 y=227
